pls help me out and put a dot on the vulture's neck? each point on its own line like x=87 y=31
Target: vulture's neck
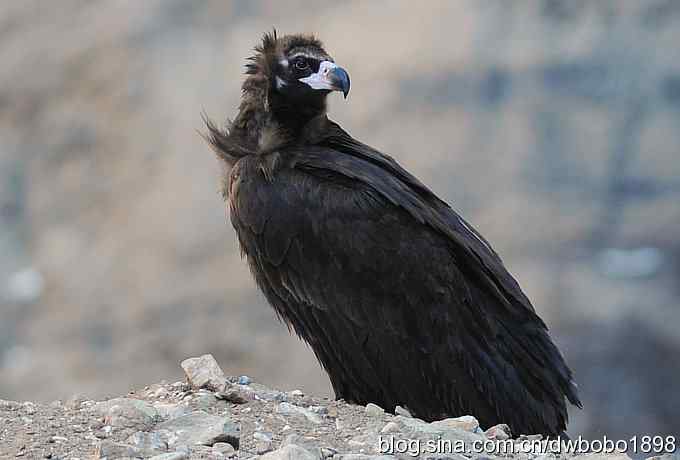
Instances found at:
x=262 y=112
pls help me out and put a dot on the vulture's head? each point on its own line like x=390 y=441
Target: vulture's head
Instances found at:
x=296 y=71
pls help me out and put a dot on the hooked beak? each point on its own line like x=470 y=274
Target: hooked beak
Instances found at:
x=329 y=77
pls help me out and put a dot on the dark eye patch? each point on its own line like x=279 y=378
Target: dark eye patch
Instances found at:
x=305 y=64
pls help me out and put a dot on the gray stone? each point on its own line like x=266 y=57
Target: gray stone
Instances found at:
x=289 y=452
x=308 y=443
x=402 y=411
x=285 y=408
x=327 y=452
x=669 y=456
x=263 y=442
x=205 y=400
x=201 y=428
x=75 y=401
x=171 y=456
x=499 y=432
x=107 y=450
x=9 y=405
x=169 y=411
x=363 y=457
x=128 y=413
x=466 y=423
x=234 y=394
x=224 y=448
x=148 y=441
x=204 y=372
x=602 y=456
x=373 y=410
x=390 y=427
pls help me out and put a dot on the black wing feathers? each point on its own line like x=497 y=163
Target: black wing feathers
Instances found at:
x=390 y=287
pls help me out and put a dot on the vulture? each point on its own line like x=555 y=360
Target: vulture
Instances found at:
x=402 y=301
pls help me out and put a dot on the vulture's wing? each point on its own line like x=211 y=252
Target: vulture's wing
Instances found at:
x=405 y=190
x=362 y=258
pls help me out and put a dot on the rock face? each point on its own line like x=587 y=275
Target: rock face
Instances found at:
x=180 y=421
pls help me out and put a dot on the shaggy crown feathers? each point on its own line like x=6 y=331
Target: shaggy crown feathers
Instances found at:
x=254 y=131
x=272 y=48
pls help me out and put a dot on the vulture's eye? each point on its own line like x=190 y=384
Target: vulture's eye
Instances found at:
x=301 y=64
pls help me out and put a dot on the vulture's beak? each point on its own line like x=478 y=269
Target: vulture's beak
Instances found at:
x=329 y=77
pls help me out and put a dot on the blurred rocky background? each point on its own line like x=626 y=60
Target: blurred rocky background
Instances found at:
x=553 y=126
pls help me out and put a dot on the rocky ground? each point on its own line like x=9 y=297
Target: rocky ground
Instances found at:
x=210 y=416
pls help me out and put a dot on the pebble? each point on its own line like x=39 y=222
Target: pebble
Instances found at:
x=224 y=448
x=285 y=408
x=244 y=380
x=233 y=395
x=171 y=456
x=169 y=411
x=106 y=450
x=499 y=432
x=289 y=452
x=373 y=410
x=148 y=441
x=204 y=372
x=466 y=423
x=402 y=411
x=297 y=393
x=128 y=413
x=202 y=428
x=391 y=427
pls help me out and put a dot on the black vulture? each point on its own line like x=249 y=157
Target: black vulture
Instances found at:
x=402 y=301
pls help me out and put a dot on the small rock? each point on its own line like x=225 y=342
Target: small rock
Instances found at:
x=391 y=427
x=371 y=457
x=466 y=423
x=233 y=395
x=603 y=456
x=202 y=428
x=207 y=400
x=297 y=393
x=402 y=411
x=171 y=456
x=285 y=408
x=263 y=442
x=289 y=452
x=328 y=452
x=499 y=432
x=9 y=405
x=675 y=456
x=75 y=401
x=244 y=380
x=224 y=448
x=262 y=436
x=128 y=413
x=148 y=441
x=321 y=410
x=29 y=408
x=109 y=450
x=204 y=372
x=373 y=410
x=169 y=411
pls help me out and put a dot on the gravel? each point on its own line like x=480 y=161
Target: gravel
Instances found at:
x=171 y=421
